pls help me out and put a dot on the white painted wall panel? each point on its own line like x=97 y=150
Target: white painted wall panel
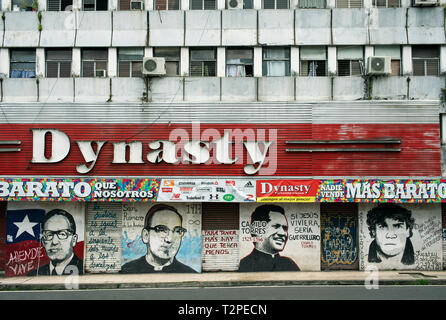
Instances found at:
x=276 y=27
x=127 y=34
x=58 y=29
x=21 y=29
x=203 y=28
x=166 y=28
x=94 y=28
x=350 y=26
x=239 y=27
x=313 y=27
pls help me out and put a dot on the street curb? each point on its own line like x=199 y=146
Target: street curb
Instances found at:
x=213 y=284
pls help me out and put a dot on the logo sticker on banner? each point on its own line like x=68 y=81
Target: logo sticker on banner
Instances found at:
x=207 y=190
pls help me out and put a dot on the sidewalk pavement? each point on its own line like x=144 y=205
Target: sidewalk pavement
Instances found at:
x=223 y=279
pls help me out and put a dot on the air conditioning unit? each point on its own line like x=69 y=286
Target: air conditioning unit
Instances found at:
x=379 y=65
x=136 y=5
x=100 y=73
x=154 y=66
x=420 y=3
x=235 y=4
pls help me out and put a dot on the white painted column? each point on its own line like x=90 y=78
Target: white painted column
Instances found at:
x=407 y=61
x=221 y=62
x=149 y=4
x=443 y=59
x=77 y=4
x=40 y=62
x=407 y=3
x=184 y=4
x=148 y=52
x=332 y=63
x=113 y=5
x=41 y=5
x=368 y=52
x=368 y=4
x=258 y=62
x=331 y=4
x=294 y=4
x=221 y=4
x=112 y=62
x=4 y=61
x=76 y=63
x=257 y=4
x=294 y=61
x=184 y=63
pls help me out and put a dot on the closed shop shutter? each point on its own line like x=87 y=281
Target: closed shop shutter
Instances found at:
x=339 y=236
x=103 y=237
x=220 y=234
x=2 y=234
x=443 y=224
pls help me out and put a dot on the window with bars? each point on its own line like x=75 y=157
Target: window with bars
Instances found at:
x=94 y=62
x=313 y=61
x=130 y=62
x=94 y=5
x=203 y=62
x=348 y=3
x=167 y=4
x=276 y=62
x=275 y=4
x=349 y=68
x=350 y=60
x=203 y=4
x=23 y=63
x=314 y=4
x=426 y=60
x=172 y=58
x=59 y=5
x=386 y=3
x=239 y=62
x=58 y=63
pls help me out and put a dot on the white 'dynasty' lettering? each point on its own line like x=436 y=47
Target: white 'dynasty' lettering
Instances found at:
x=88 y=154
x=257 y=156
x=135 y=153
x=198 y=151
x=163 y=150
x=60 y=146
x=222 y=149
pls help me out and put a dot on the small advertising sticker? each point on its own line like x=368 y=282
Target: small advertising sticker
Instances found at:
x=287 y=190
x=207 y=190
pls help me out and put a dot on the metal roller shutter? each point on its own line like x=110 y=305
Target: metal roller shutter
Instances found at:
x=443 y=224
x=220 y=233
x=2 y=235
x=339 y=236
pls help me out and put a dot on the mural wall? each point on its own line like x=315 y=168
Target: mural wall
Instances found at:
x=279 y=237
x=161 y=238
x=44 y=238
x=400 y=236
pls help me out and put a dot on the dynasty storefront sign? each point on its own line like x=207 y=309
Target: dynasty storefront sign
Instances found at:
x=222 y=190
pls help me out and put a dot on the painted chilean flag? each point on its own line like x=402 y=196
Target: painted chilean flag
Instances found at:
x=24 y=252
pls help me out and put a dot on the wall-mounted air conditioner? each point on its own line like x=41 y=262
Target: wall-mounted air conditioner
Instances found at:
x=100 y=73
x=379 y=66
x=421 y=3
x=235 y=4
x=154 y=66
x=136 y=5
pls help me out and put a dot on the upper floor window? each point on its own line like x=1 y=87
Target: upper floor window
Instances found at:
x=386 y=3
x=276 y=61
x=316 y=4
x=24 y=5
x=23 y=63
x=130 y=62
x=426 y=60
x=203 y=4
x=94 y=5
x=313 y=61
x=203 y=62
x=58 y=63
x=239 y=62
x=394 y=52
x=131 y=4
x=94 y=62
x=167 y=4
x=348 y=3
x=172 y=58
x=350 y=60
x=59 y=5
x=275 y=4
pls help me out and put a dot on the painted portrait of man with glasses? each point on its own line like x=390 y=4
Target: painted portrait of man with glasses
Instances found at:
x=162 y=234
x=58 y=237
